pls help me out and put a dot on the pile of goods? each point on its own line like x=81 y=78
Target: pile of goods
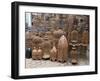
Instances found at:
x=57 y=43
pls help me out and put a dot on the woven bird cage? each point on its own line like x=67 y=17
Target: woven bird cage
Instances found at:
x=74 y=36
x=58 y=33
x=62 y=55
x=85 y=38
x=36 y=40
x=53 y=54
x=74 y=55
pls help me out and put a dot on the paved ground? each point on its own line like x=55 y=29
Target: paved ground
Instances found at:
x=47 y=63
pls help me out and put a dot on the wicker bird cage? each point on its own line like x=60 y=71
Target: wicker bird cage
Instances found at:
x=46 y=46
x=58 y=33
x=36 y=40
x=53 y=54
x=74 y=55
x=40 y=53
x=74 y=36
x=85 y=38
x=34 y=53
x=62 y=55
x=37 y=54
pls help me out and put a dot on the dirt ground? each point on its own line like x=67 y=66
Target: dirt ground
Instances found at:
x=47 y=63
